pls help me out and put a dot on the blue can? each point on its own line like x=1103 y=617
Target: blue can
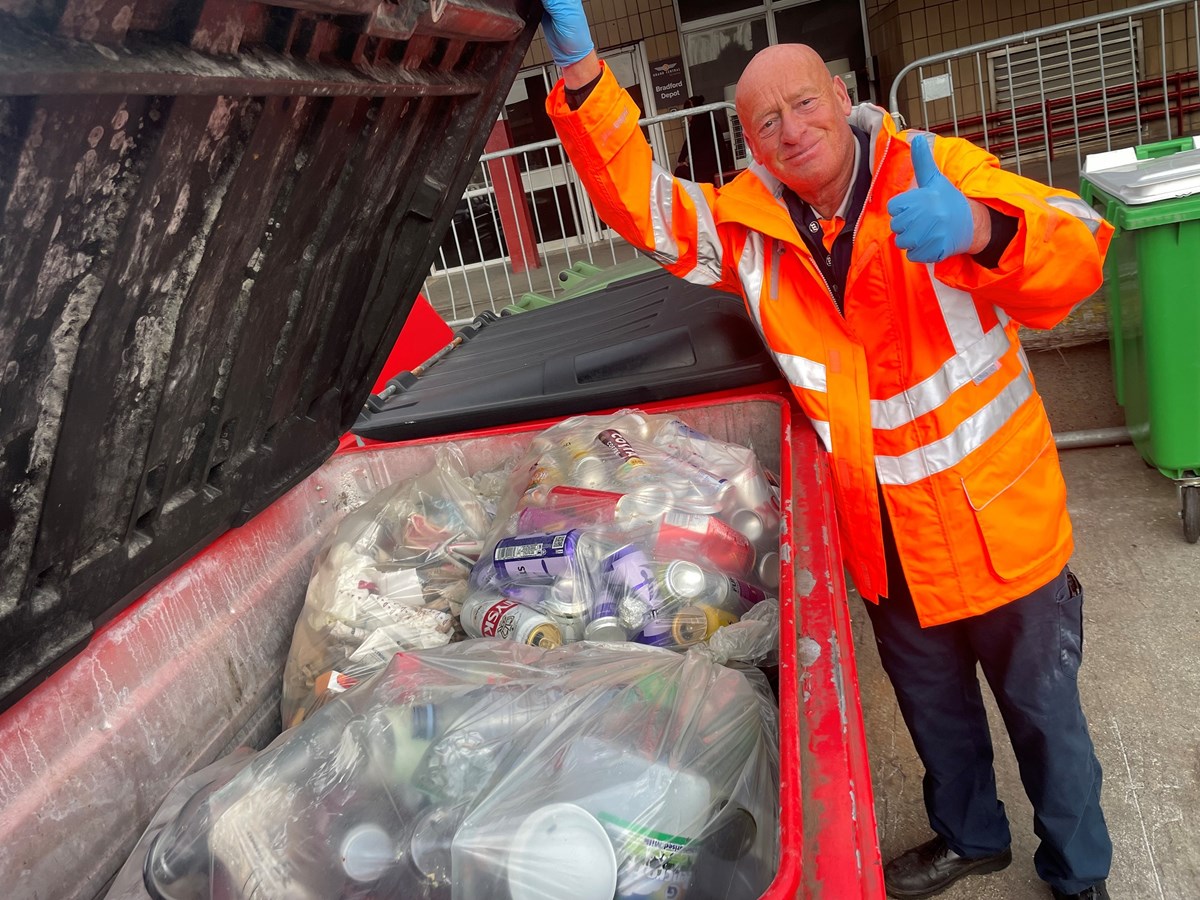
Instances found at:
x=538 y=557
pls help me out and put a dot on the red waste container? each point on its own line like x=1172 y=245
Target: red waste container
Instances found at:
x=194 y=668
x=215 y=218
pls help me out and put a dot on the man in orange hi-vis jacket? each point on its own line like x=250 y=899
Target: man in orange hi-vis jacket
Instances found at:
x=889 y=273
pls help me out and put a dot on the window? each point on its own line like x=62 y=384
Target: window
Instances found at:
x=695 y=10
x=717 y=55
x=718 y=42
x=831 y=27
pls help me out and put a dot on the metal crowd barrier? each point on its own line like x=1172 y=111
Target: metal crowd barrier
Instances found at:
x=1040 y=98
x=525 y=218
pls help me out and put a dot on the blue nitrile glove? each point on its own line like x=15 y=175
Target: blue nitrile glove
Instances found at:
x=566 y=30
x=933 y=220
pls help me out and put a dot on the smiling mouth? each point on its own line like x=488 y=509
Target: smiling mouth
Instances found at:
x=800 y=154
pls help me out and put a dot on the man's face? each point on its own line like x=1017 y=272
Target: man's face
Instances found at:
x=793 y=113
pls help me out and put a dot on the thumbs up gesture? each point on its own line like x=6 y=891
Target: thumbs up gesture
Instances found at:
x=933 y=220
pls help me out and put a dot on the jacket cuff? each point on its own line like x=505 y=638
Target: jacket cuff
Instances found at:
x=576 y=96
x=1004 y=229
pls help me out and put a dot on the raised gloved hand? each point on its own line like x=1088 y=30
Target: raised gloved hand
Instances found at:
x=566 y=30
x=933 y=220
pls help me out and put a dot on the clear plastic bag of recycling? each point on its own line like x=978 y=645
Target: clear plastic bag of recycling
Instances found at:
x=492 y=769
x=391 y=577
x=629 y=527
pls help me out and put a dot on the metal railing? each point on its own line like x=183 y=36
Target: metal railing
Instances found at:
x=1040 y=98
x=526 y=218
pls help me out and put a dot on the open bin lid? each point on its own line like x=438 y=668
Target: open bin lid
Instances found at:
x=216 y=218
x=1136 y=179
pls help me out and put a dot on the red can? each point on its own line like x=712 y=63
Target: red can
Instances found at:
x=684 y=535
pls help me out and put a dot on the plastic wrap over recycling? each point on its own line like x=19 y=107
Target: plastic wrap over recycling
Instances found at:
x=391 y=577
x=492 y=769
x=629 y=527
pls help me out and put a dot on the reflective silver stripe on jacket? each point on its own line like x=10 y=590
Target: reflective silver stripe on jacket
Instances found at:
x=666 y=248
x=802 y=372
x=822 y=429
x=973 y=433
x=750 y=273
x=798 y=370
x=1073 y=206
x=662 y=196
x=959 y=313
x=982 y=357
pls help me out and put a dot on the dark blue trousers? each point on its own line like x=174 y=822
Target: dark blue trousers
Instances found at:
x=1030 y=651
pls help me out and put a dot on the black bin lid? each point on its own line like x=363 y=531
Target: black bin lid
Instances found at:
x=216 y=218
x=648 y=337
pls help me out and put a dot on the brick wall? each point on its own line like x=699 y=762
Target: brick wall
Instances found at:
x=620 y=22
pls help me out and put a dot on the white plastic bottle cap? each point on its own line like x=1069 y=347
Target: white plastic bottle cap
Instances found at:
x=561 y=850
x=367 y=851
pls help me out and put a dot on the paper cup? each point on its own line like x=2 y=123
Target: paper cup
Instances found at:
x=561 y=850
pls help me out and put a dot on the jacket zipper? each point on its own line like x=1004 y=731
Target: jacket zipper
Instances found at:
x=776 y=260
x=867 y=199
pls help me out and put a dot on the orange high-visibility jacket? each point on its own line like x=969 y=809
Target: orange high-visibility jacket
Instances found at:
x=922 y=386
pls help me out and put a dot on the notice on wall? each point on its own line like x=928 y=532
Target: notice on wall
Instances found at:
x=667 y=81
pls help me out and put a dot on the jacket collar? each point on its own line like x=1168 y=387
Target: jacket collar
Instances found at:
x=755 y=197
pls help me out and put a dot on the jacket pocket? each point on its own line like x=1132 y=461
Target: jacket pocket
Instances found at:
x=1019 y=500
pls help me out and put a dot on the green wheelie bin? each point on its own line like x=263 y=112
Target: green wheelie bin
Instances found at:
x=1151 y=195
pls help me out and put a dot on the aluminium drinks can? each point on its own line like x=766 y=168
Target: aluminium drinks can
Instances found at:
x=630 y=574
x=685 y=627
x=535 y=556
x=687 y=581
x=604 y=620
x=684 y=535
x=509 y=620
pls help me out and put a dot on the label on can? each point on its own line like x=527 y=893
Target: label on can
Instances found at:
x=620 y=447
x=682 y=533
x=510 y=621
x=538 y=556
x=631 y=571
x=495 y=623
x=748 y=593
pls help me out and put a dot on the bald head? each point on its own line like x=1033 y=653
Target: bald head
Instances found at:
x=776 y=63
x=794 y=116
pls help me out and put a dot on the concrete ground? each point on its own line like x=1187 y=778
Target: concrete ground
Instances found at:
x=1140 y=680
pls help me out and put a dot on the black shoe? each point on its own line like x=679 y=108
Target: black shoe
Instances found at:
x=1097 y=891
x=932 y=867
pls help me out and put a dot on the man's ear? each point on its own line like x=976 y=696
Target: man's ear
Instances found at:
x=750 y=144
x=843 y=95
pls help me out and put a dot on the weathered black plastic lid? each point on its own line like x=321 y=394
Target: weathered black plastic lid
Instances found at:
x=216 y=217
x=649 y=337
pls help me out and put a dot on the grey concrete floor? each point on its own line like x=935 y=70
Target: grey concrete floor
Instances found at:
x=1140 y=679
